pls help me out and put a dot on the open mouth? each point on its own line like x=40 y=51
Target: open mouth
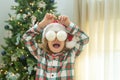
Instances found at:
x=56 y=45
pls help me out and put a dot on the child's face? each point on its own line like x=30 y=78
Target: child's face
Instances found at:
x=56 y=45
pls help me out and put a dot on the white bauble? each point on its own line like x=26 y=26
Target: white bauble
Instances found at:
x=61 y=35
x=50 y=35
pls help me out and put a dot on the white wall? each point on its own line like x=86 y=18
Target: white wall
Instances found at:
x=65 y=7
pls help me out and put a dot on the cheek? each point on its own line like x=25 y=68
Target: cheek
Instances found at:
x=62 y=44
x=50 y=44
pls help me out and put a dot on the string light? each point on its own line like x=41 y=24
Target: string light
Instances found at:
x=28 y=76
x=1 y=70
x=21 y=10
x=18 y=23
x=28 y=8
x=11 y=51
x=51 y=11
x=32 y=12
x=5 y=72
x=25 y=68
x=21 y=52
x=11 y=19
x=16 y=69
x=32 y=4
x=38 y=10
x=13 y=74
x=22 y=47
x=11 y=64
x=38 y=40
x=14 y=7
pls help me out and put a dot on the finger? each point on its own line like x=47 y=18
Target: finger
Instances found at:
x=55 y=17
x=60 y=18
x=51 y=16
x=47 y=15
x=63 y=18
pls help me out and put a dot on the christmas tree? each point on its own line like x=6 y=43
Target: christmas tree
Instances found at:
x=18 y=63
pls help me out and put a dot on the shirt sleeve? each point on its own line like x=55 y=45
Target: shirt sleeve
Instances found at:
x=29 y=40
x=80 y=37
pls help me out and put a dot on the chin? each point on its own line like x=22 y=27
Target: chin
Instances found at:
x=56 y=50
x=56 y=46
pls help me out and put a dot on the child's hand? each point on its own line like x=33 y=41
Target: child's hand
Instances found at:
x=64 y=20
x=48 y=18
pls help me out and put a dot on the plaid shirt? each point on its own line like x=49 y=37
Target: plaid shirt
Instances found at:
x=59 y=66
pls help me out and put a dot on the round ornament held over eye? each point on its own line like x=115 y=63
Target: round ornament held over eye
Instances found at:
x=50 y=35
x=61 y=35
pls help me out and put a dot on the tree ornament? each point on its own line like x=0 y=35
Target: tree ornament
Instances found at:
x=13 y=58
x=2 y=65
x=3 y=53
x=33 y=20
x=11 y=64
x=6 y=27
x=17 y=39
x=16 y=0
x=22 y=58
x=41 y=4
x=12 y=76
x=52 y=1
x=61 y=35
x=30 y=68
x=50 y=35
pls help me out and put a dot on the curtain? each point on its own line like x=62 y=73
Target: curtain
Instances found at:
x=100 y=59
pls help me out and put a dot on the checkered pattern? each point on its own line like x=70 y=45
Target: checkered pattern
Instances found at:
x=59 y=66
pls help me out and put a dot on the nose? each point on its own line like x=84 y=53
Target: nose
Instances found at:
x=56 y=39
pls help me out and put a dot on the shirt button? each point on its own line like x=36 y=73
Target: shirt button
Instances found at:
x=52 y=75
x=54 y=58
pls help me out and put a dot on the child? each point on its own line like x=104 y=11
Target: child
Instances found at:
x=62 y=42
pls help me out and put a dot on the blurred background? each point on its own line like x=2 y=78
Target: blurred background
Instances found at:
x=100 y=19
